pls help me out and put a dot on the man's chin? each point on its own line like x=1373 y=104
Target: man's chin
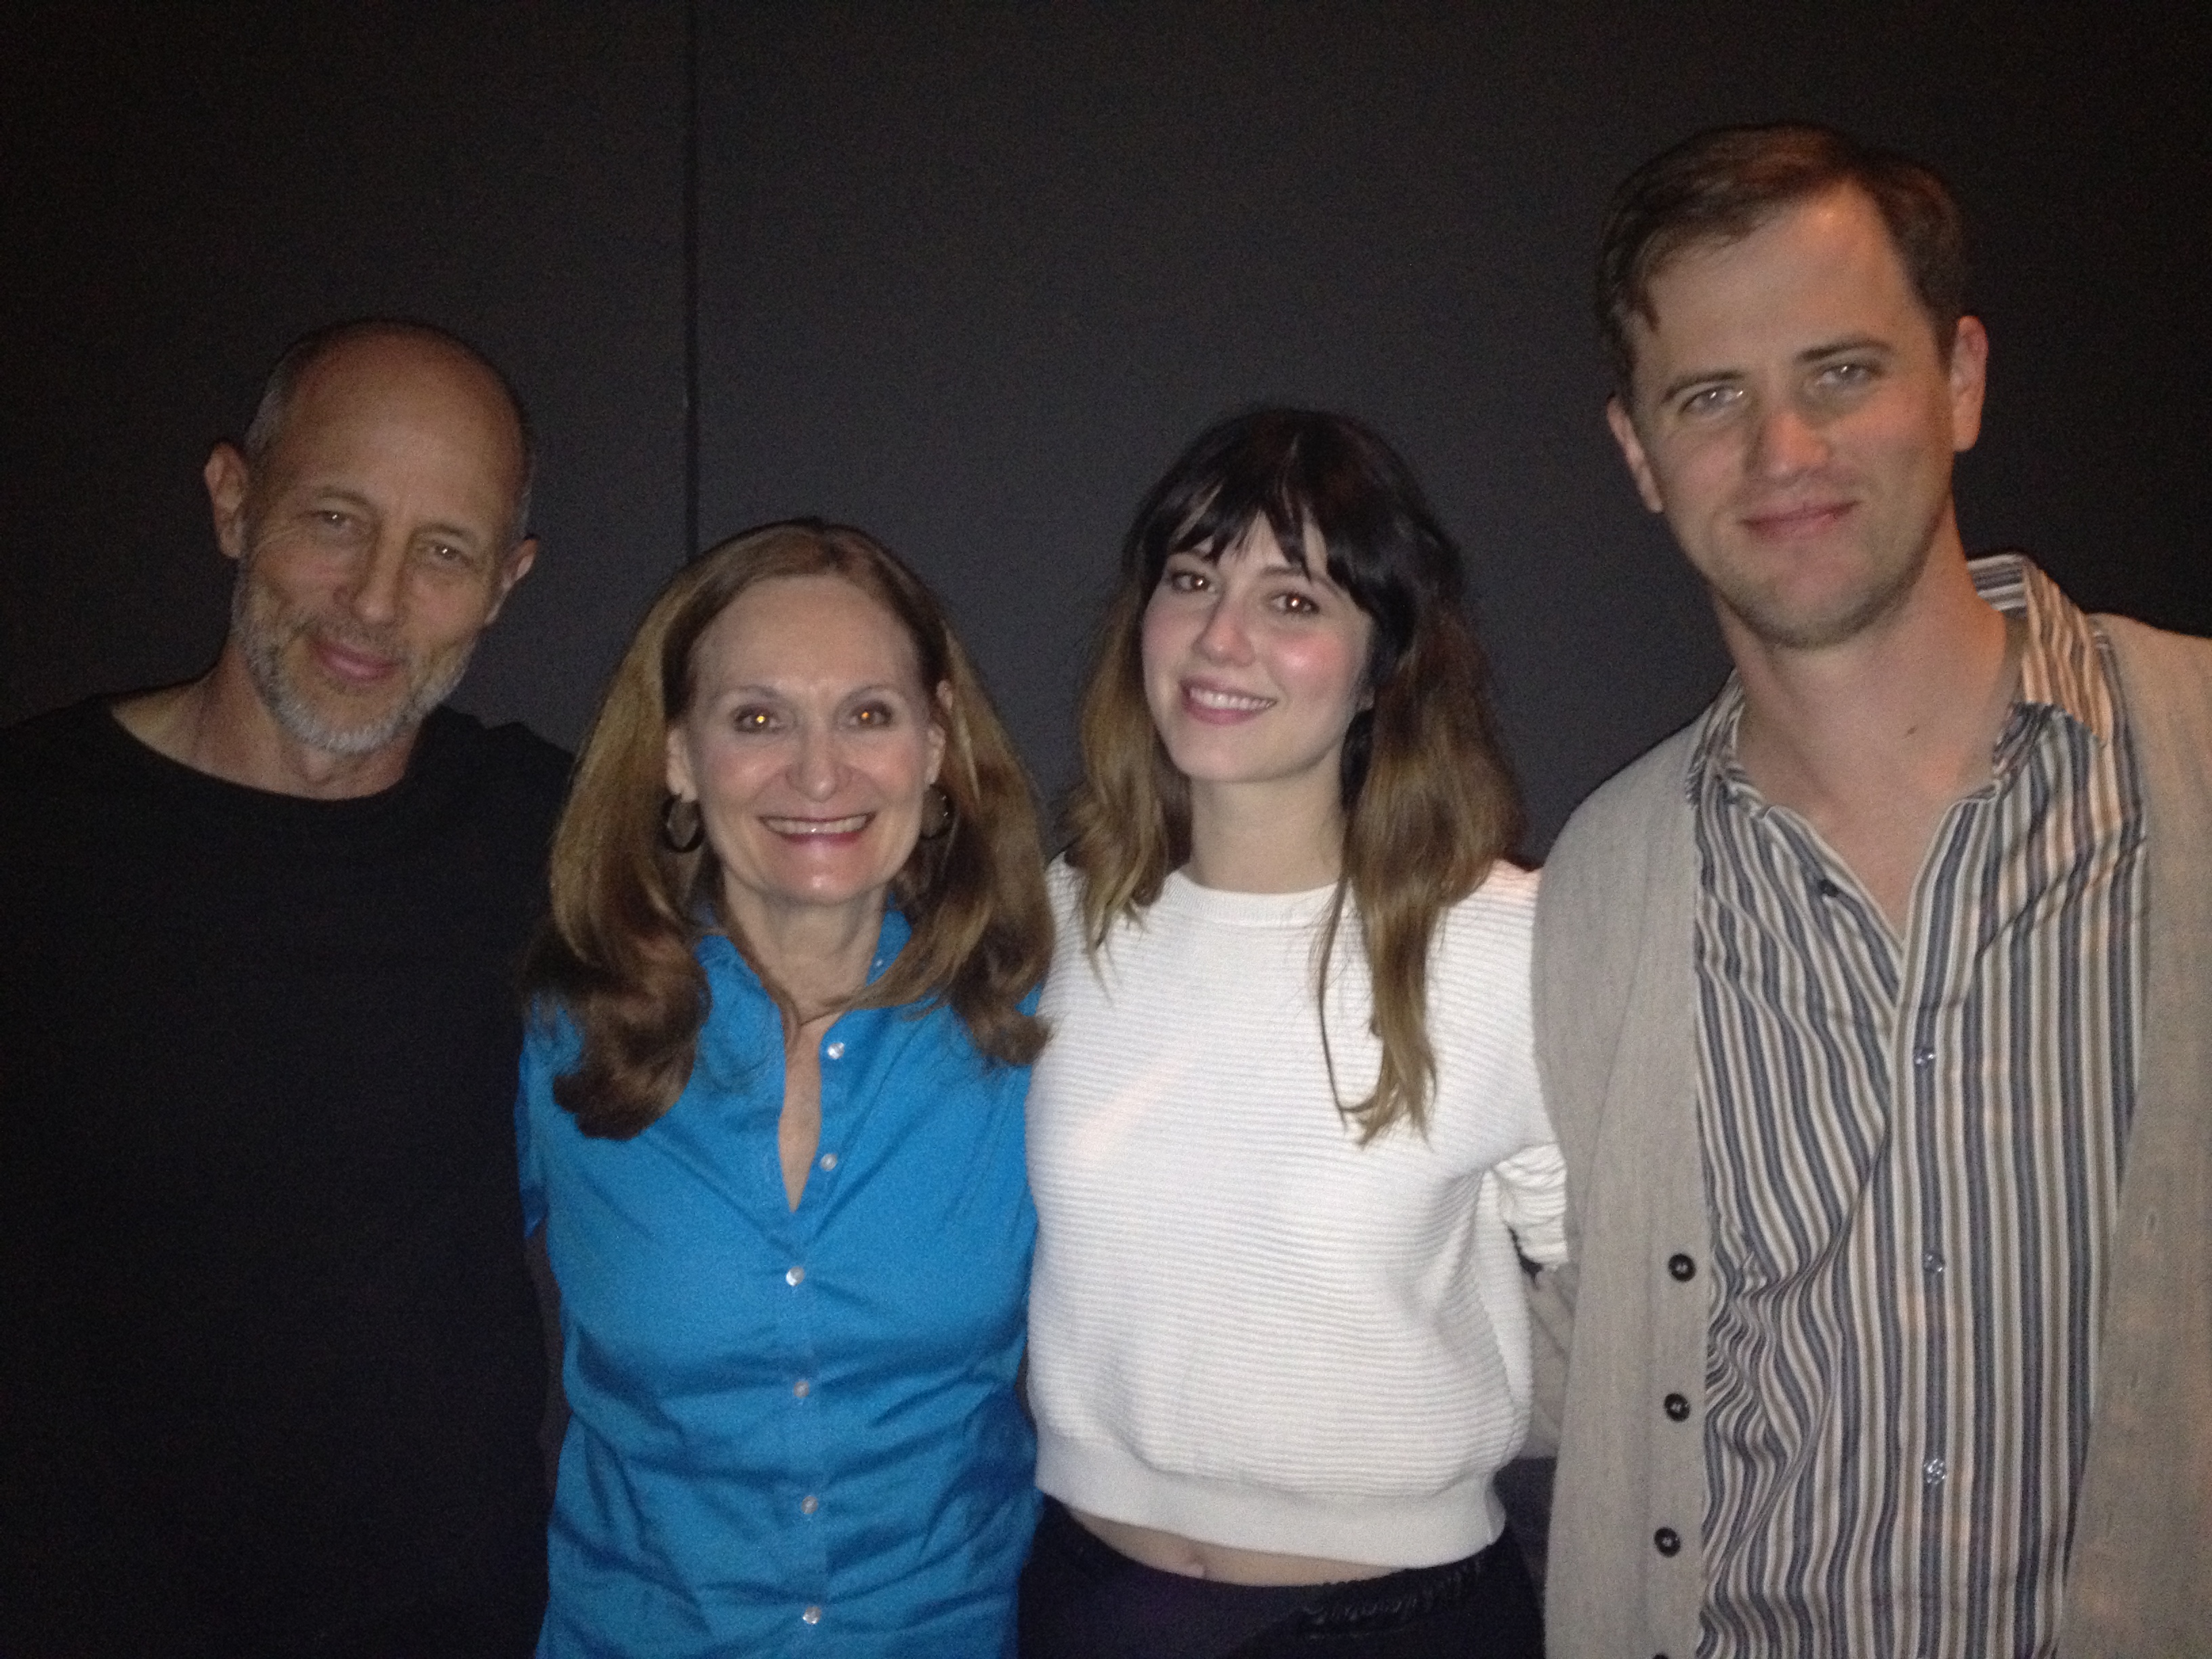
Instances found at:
x=354 y=735
x=354 y=725
x=1782 y=629
x=1783 y=622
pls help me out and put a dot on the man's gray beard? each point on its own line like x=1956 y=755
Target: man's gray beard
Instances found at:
x=265 y=662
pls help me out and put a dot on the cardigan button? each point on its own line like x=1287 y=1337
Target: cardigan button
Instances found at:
x=1681 y=1267
x=1676 y=1406
x=1667 y=1541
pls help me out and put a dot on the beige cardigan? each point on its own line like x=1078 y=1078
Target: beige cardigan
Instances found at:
x=1614 y=1035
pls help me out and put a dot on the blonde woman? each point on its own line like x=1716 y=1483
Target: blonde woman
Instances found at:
x=1288 y=1132
x=771 y=1124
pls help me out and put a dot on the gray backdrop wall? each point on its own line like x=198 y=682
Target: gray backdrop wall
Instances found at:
x=969 y=275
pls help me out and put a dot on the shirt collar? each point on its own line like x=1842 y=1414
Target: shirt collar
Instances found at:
x=2061 y=666
x=2061 y=660
x=1712 y=756
x=889 y=942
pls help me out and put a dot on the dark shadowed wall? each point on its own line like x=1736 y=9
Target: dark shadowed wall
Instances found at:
x=969 y=274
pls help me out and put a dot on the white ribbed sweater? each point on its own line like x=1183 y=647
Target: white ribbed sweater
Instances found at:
x=1244 y=1326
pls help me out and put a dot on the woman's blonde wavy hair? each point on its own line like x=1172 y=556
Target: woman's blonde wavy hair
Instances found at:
x=1429 y=802
x=617 y=950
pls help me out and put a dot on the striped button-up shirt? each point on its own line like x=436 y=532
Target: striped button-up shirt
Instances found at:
x=1912 y=1146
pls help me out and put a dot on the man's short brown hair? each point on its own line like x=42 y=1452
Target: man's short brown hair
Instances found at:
x=1720 y=186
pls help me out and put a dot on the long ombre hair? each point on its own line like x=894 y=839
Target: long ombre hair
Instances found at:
x=1429 y=803
x=617 y=950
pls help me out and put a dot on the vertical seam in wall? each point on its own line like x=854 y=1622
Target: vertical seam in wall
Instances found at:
x=690 y=279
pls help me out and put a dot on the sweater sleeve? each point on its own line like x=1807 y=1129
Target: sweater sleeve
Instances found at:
x=1531 y=1197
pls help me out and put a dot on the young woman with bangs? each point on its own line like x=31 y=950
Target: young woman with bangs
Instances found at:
x=1287 y=1135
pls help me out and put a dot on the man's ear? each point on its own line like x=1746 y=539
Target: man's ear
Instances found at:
x=512 y=569
x=1970 y=368
x=1632 y=451
x=229 y=480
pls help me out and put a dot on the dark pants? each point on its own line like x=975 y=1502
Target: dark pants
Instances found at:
x=1081 y=1599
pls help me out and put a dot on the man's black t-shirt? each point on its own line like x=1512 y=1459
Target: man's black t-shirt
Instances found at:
x=272 y=1373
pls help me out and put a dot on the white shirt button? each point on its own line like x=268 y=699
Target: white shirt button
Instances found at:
x=812 y=1615
x=1933 y=1470
x=793 y=1275
x=809 y=1503
x=829 y=1160
x=802 y=1388
x=835 y=1051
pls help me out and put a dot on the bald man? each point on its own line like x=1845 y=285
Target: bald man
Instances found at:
x=275 y=1375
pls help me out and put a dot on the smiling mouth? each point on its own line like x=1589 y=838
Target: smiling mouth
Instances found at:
x=351 y=664
x=1228 y=703
x=802 y=827
x=1786 y=523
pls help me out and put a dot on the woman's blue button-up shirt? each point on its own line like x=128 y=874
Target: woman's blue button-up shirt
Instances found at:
x=793 y=1431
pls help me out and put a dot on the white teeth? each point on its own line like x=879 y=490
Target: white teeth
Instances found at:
x=1207 y=697
x=818 y=826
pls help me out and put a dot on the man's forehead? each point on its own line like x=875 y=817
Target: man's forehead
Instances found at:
x=404 y=372
x=1836 y=205
x=1831 y=251
x=361 y=386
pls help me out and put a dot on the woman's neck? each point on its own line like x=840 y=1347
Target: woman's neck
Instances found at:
x=1246 y=841
x=817 y=955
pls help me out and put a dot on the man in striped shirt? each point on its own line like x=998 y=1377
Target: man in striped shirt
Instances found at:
x=1871 y=1007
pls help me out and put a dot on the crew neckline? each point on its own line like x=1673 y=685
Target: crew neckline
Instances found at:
x=424 y=762
x=1181 y=895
